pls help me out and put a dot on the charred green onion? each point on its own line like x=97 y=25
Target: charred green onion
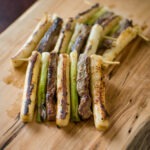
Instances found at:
x=41 y=103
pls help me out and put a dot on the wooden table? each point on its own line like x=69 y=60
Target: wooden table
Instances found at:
x=127 y=92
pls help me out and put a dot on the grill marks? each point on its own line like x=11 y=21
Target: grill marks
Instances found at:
x=83 y=78
x=51 y=87
x=97 y=86
x=47 y=43
x=83 y=75
x=63 y=91
x=102 y=98
x=30 y=85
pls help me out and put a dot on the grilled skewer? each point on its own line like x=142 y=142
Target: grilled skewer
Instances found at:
x=61 y=44
x=31 y=43
x=79 y=76
x=83 y=74
x=100 y=28
x=52 y=71
x=58 y=48
x=78 y=43
x=30 y=87
x=124 y=34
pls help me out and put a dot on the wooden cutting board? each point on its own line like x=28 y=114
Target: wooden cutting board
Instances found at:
x=127 y=88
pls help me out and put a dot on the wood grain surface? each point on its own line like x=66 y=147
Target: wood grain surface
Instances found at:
x=127 y=91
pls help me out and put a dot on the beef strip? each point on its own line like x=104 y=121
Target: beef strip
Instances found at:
x=83 y=78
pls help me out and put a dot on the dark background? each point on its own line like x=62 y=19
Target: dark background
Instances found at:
x=10 y=10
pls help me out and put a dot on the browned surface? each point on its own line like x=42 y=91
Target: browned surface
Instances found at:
x=47 y=43
x=63 y=87
x=128 y=96
x=30 y=85
x=51 y=87
x=83 y=86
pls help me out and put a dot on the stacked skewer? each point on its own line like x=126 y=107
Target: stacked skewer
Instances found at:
x=66 y=63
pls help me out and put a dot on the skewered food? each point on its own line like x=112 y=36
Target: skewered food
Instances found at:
x=123 y=34
x=83 y=73
x=100 y=28
x=69 y=84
